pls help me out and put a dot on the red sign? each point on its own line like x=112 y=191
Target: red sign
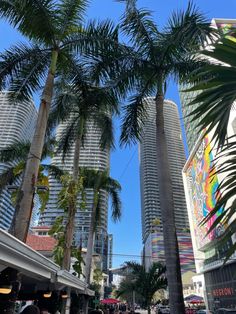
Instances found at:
x=222 y=292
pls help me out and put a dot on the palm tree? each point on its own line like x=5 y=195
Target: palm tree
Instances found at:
x=78 y=105
x=15 y=156
x=98 y=181
x=145 y=282
x=57 y=38
x=154 y=58
x=216 y=95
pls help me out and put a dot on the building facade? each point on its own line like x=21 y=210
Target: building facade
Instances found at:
x=17 y=123
x=150 y=203
x=92 y=157
x=201 y=185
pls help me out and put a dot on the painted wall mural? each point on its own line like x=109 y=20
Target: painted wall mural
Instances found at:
x=185 y=250
x=202 y=186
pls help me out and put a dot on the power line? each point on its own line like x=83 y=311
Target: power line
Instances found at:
x=128 y=163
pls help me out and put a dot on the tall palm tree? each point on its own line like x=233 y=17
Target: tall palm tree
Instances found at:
x=57 y=38
x=98 y=181
x=145 y=282
x=154 y=58
x=78 y=105
x=216 y=96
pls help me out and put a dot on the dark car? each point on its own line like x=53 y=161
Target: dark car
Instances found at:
x=225 y=311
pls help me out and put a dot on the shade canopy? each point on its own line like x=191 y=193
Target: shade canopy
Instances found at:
x=193 y=297
x=110 y=301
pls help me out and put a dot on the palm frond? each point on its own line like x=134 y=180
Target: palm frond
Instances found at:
x=71 y=14
x=33 y=18
x=54 y=171
x=113 y=189
x=139 y=26
x=189 y=29
x=134 y=118
x=7 y=177
x=68 y=136
x=104 y=123
x=63 y=106
x=215 y=84
x=21 y=69
x=17 y=151
x=93 y=39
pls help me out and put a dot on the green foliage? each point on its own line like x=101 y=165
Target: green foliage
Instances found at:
x=145 y=282
x=52 y=27
x=17 y=154
x=216 y=85
x=154 y=57
x=70 y=191
x=100 y=180
x=58 y=232
x=97 y=275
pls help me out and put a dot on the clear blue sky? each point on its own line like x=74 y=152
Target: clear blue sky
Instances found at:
x=124 y=163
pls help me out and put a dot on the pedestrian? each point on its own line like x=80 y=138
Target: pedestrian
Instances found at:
x=31 y=309
x=97 y=311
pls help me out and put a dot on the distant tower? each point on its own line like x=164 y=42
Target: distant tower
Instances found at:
x=150 y=200
x=17 y=123
x=92 y=157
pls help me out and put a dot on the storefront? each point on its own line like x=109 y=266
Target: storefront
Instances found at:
x=221 y=287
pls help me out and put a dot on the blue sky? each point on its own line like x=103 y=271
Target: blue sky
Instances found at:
x=124 y=162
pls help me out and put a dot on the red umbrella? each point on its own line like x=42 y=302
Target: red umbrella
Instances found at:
x=110 y=301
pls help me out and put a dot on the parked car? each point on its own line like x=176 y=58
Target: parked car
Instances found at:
x=164 y=309
x=225 y=311
x=204 y=312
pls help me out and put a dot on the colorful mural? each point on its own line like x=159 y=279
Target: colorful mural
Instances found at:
x=185 y=250
x=202 y=185
x=229 y=29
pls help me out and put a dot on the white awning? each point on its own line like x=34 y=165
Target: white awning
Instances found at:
x=18 y=255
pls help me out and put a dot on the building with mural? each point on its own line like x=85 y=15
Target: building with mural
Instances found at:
x=202 y=189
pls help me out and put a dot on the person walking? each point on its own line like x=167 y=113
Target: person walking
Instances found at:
x=97 y=311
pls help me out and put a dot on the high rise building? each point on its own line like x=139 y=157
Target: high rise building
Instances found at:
x=92 y=157
x=150 y=201
x=17 y=123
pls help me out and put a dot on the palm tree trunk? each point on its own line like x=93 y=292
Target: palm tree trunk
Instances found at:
x=70 y=225
x=149 y=309
x=167 y=213
x=90 y=246
x=21 y=221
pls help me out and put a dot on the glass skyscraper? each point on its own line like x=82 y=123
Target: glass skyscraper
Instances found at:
x=150 y=202
x=17 y=123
